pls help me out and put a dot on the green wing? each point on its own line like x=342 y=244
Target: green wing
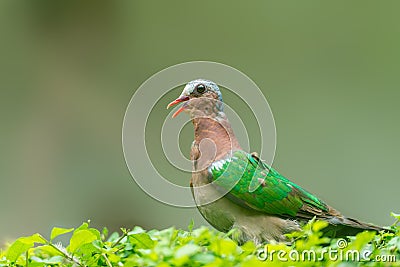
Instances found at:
x=256 y=185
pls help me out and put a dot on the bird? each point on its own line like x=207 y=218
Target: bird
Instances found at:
x=236 y=190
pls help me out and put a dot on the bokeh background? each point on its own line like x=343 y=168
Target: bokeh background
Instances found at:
x=329 y=69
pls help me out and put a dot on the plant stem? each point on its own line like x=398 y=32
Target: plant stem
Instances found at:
x=125 y=233
x=107 y=260
x=68 y=257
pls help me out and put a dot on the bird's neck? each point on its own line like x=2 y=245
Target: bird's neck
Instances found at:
x=216 y=134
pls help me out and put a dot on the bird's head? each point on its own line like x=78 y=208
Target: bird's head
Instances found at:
x=199 y=88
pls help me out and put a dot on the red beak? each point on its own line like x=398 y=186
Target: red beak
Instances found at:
x=177 y=101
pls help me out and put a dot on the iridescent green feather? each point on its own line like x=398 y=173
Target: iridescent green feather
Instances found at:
x=259 y=186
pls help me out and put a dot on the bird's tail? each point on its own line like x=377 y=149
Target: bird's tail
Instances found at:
x=341 y=227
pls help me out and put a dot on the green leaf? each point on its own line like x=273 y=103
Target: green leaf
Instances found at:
x=57 y=231
x=83 y=226
x=52 y=260
x=136 y=230
x=191 y=225
x=187 y=250
x=319 y=225
x=80 y=238
x=87 y=253
x=141 y=240
x=104 y=233
x=248 y=247
x=203 y=258
x=200 y=247
x=47 y=250
x=95 y=232
x=397 y=216
x=22 y=244
x=35 y=238
x=113 y=237
x=16 y=249
x=224 y=247
x=362 y=239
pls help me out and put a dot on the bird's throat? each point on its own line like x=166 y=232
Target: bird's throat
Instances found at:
x=215 y=130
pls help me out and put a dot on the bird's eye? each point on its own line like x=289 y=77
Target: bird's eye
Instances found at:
x=200 y=88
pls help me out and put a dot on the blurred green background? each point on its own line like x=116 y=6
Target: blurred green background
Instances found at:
x=329 y=69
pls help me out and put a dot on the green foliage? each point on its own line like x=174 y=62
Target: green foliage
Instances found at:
x=202 y=247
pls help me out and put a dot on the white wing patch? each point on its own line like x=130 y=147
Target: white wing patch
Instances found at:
x=218 y=165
